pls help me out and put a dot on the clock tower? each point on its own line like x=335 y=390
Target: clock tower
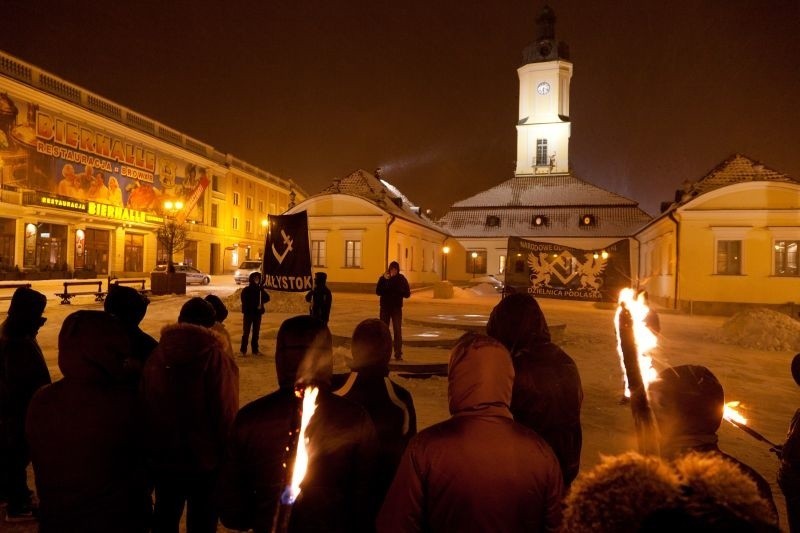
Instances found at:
x=543 y=127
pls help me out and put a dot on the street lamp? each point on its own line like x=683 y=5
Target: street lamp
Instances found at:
x=445 y=251
x=474 y=257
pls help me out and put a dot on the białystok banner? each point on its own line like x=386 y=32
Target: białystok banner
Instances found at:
x=287 y=258
x=556 y=271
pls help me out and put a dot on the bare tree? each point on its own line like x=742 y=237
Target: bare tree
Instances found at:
x=172 y=236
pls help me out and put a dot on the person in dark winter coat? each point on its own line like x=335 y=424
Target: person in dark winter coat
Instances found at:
x=320 y=298
x=688 y=403
x=22 y=372
x=220 y=314
x=338 y=491
x=130 y=306
x=254 y=297
x=389 y=405
x=392 y=287
x=479 y=470
x=698 y=492
x=190 y=389
x=789 y=472
x=85 y=434
x=547 y=393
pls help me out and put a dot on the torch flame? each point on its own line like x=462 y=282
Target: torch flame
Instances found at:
x=301 y=457
x=731 y=414
x=645 y=338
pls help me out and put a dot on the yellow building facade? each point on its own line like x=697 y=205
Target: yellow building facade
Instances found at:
x=85 y=183
x=729 y=241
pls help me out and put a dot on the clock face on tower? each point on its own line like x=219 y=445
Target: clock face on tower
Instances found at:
x=543 y=88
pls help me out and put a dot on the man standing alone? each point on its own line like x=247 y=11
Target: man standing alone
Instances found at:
x=392 y=288
x=254 y=297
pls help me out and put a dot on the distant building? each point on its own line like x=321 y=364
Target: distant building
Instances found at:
x=84 y=181
x=544 y=201
x=729 y=240
x=361 y=223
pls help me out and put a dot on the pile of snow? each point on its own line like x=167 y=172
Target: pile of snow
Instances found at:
x=279 y=302
x=763 y=329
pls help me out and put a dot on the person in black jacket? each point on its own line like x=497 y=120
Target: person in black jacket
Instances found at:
x=338 y=491
x=254 y=297
x=392 y=288
x=789 y=472
x=85 y=434
x=389 y=405
x=127 y=304
x=22 y=372
x=547 y=386
x=320 y=298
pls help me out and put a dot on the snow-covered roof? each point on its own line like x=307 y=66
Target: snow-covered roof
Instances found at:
x=736 y=169
x=509 y=209
x=381 y=193
x=544 y=190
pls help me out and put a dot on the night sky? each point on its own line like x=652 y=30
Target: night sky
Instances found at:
x=428 y=89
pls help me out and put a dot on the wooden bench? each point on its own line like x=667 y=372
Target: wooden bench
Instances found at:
x=131 y=281
x=14 y=286
x=65 y=296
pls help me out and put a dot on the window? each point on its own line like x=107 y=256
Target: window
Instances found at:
x=729 y=258
x=587 y=220
x=538 y=221
x=502 y=265
x=476 y=262
x=248 y=226
x=248 y=202
x=541 y=152
x=236 y=198
x=215 y=182
x=493 y=221
x=134 y=252
x=190 y=253
x=235 y=223
x=318 y=253
x=261 y=206
x=352 y=254
x=786 y=258
x=214 y=213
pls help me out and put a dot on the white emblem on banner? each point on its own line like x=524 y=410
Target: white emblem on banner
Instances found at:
x=287 y=240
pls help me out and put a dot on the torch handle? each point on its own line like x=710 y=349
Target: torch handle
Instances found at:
x=643 y=420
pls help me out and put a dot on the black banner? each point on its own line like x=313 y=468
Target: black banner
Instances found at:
x=287 y=257
x=555 y=271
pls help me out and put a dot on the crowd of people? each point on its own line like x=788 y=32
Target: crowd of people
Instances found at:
x=138 y=429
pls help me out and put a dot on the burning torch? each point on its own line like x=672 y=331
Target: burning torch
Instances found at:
x=634 y=339
x=296 y=463
x=737 y=420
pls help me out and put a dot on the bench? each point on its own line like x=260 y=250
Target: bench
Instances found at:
x=130 y=281
x=65 y=296
x=14 y=286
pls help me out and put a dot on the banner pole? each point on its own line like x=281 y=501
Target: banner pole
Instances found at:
x=264 y=254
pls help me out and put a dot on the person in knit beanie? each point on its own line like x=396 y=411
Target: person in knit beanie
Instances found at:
x=22 y=372
x=130 y=307
x=220 y=314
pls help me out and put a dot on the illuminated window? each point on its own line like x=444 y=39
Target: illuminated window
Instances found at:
x=236 y=198
x=729 y=258
x=476 y=262
x=214 y=214
x=502 y=266
x=786 y=258
x=318 y=253
x=235 y=223
x=248 y=202
x=248 y=226
x=215 y=183
x=134 y=252
x=352 y=254
x=541 y=152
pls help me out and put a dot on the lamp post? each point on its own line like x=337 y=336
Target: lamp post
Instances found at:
x=474 y=257
x=172 y=234
x=445 y=251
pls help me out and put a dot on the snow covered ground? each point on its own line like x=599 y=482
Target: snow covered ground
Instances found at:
x=759 y=379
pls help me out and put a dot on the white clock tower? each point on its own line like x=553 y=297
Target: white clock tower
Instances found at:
x=543 y=127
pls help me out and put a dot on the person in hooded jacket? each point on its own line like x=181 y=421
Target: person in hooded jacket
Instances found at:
x=547 y=393
x=190 y=390
x=253 y=298
x=22 y=372
x=389 y=405
x=130 y=306
x=338 y=491
x=789 y=472
x=687 y=402
x=85 y=434
x=479 y=470
x=320 y=298
x=392 y=288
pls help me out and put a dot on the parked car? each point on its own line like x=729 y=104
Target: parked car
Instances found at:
x=490 y=279
x=242 y=273
x=193 y=275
